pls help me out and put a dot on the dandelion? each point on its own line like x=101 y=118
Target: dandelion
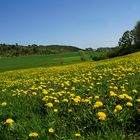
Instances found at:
x=49 y=105
x=98 y=104
x=121 y=96
x=4 y=104
x=102 y=116
x=115 y=110
x=129 y=97
x=14 y=94
x=110 y=87
x=138 y=110
x=123 y=90
x=138 y=100
x=129 y=104
x=9 y=122
x=96 y=97
x=65 y=100
x=118 y=107
x=76 y=100
x=115 y=88
x=33 y=135
x=34 y=93
x=56 y=101
x=45 y=91
x=51 y=130
x=134 y=91
x=112 y=93
x=122 y=87
x=77 y=134
x=55 y=110
x=69 y=110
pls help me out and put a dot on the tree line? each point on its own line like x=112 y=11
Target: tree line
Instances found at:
x=7 y=50
x=128 y=43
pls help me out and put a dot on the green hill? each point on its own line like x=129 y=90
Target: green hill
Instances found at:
x=7 y=50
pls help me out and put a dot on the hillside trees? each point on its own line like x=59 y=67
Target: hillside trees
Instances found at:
x=7 y=50
x=130 y=38
x=127 y=39
x=137 y=33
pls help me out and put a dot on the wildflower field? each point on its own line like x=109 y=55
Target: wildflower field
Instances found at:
x=86 y=101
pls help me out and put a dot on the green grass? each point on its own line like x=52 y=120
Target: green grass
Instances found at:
x=31 y=113
x=28 y=92
x=23 y=62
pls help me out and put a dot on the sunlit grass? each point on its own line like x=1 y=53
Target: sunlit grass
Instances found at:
x=86 y=101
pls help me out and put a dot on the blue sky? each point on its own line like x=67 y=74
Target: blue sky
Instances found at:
x=82 y=23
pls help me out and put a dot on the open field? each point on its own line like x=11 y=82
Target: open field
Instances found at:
x=86 y=101
x=38 y=61
x=24 y=62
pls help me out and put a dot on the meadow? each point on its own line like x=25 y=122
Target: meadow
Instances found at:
x=85 y=101
x=12 y=63
x=49 y=60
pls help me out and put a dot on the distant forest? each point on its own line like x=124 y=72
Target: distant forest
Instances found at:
x=128 y=43
x=7 y=50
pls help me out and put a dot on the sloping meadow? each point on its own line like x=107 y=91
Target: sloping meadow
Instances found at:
x=91 y=100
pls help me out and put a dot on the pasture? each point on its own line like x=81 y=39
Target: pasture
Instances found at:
x=85 y=101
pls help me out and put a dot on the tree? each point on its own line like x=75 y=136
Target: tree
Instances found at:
x=127 y=39
x=82 y=55
x=89 y=49
x=137 y=33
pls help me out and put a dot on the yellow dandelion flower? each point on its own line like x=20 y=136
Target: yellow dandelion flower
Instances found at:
x=98 y=104
x=121 y=96
x=33 y=135
x=49 y=105
x=115 y=88
x=102 y=116
x=123 y=90
x=138 y=110
x=138 y=100
x=96 y=97
x=4 y=104
x=9 y=122
x=118 y=107
x=129 y=97
x=134 y=91
x=110 y=87
x=34 y=93
x=129 y=104
x=77 y=134
x=69 y=110
x=122 y=87
x=112 y=93
x=56 y=101
x=65 y=100
x=115 y=110
x=55 y=110
x=14 y=94
x=51 y=130
x=76 y=100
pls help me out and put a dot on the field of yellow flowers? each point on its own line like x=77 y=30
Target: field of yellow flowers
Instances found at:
x=87 y=101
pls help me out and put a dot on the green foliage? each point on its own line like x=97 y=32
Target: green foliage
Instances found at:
x=129 y=43
x=137 y=33
x=82 y=55
x=127 y=39
x=26 y=101
x=99 y=55
x=18 y=50
x=32 y=61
